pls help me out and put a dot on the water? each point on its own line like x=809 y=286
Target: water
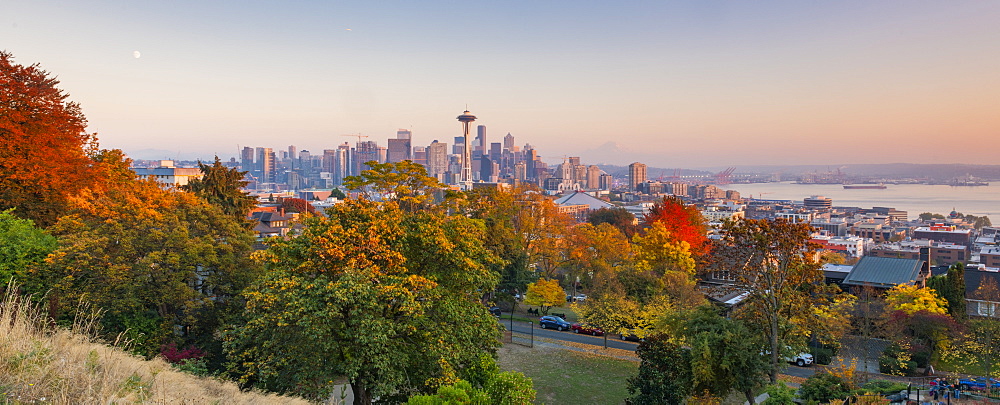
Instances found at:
x=913 y=198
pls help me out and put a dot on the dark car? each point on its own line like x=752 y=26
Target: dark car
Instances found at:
x=495 y=311
x=587 y=329
x=553 y=322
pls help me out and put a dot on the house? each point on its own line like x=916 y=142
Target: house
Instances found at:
x=984 y=303
x=884 y=273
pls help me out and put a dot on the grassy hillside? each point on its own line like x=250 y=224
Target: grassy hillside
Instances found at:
x=41 y=364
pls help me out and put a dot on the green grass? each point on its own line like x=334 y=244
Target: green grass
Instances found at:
x=569 y=377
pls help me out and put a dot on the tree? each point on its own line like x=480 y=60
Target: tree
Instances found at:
x=223 y=186
x=951 y=287
x=336 y=193
x=983 y=337
x=665 y=375
x=618 y=217
x=927 y=216
x=546 y=293
x=772 y=261
x=831 y=257
x=155 y=262
x=683 y=221
x=911 y=299
x=297 y=205
x=44 y=149
x=661 y=251
x=594 y=250
x=725 y=355
x=370 y=292
x=404 y=182
x=22 y=245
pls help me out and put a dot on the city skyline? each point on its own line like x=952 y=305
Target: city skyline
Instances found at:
x=683 y=84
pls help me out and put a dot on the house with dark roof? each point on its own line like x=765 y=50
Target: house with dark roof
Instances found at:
x=884 y=273
x=579 y=204
x=986 y=302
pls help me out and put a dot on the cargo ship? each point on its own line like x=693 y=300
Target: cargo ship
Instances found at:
x=879 y=186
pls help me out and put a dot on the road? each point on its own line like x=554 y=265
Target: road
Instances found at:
x=613 y=341
x=525 y=328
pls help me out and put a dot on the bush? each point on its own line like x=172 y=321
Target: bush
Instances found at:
x=779 y=394
x=824 y=387
x=883 y=387
x=892 y=365
x=822 y=355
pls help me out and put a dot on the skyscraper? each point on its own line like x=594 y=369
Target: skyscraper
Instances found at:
x=404 y=133
x=636 y=175
x=437 y=160
x=480 y=145
x=399 y=150
x=508 y=142
x=246 y=159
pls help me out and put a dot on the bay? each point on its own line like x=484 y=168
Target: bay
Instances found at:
x=913 y=198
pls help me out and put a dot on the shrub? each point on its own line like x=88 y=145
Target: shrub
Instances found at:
x=822 y=355
x=892 y=365
x=779 y=394
x=883 y=387
x=824 y=387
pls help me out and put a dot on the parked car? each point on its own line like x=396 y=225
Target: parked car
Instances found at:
x=978 y=383
x=579 y=297
x=588 y=329
x=553 y=322
x=495 y=311
x=801 y=359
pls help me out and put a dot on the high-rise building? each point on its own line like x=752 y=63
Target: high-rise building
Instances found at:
x=267 y=158
x=365 y=152
x=606 y=181
x=329 y=160
x=399 y=150
x=404 y=133
x=437 y=160
x=480 y=145
x=291 y=152
x=636 y=175
x=420 y=155
x=456 y=148
x=344 y=163
x=508 y=142
x=246 y=159
x=593 y=177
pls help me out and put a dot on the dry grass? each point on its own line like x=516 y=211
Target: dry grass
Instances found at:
x=60 y=366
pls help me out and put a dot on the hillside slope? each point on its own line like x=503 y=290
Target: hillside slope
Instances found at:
x=39 y=364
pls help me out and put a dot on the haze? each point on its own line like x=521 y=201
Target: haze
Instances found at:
x=681 y=84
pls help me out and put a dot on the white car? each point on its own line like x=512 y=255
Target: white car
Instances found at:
x=801 y=359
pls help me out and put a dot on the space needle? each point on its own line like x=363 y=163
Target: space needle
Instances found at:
x=466 y=180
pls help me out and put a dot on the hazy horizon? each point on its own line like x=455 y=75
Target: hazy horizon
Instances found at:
x=683 y=84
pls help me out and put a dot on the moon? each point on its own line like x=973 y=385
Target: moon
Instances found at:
x=136 y=54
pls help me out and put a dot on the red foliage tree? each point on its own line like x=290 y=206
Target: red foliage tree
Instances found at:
x=44 y=151
x=683 y=221
x=297 y=205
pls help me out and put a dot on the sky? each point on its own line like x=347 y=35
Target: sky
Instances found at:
x=671 y=84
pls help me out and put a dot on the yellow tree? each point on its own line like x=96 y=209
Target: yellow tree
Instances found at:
x=911 y=299
x=546 y=293
x=659 y=251
x=596 y=251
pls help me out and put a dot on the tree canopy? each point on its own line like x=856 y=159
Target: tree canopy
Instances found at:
x=45 y=153
x=681 y=220
x=223 y=187
x=370 y=292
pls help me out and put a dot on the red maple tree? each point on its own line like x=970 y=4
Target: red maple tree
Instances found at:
x=682 y=220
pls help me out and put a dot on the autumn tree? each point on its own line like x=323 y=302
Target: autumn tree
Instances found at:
x=223 y=186
x=683 y=221
x=595 y=250
x=373 y=293
x=156 y=262
x=772 y=261
x=910 y=299
x=546 y=293
x=405 y=182
x=983 y=337
x=500 y=210
x=616 y=216
x=296 y=205
x=44 y=149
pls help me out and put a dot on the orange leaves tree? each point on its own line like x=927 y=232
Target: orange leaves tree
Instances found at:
x=155 y=261
x=388 y=299
x=683 y=221
x=545 y=294
x=44 y=150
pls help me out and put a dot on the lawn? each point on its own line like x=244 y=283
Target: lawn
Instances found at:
x=569 y=377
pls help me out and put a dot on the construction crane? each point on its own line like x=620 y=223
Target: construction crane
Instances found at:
x=359 y=136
